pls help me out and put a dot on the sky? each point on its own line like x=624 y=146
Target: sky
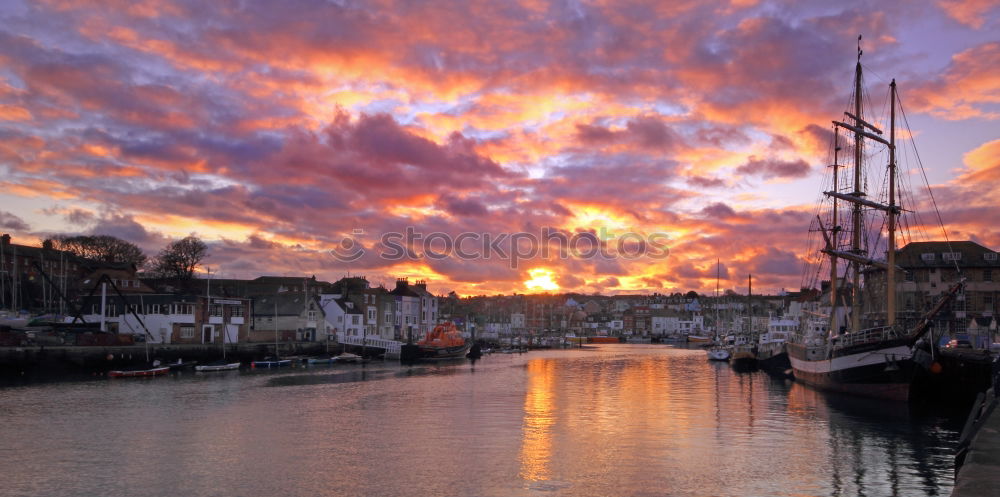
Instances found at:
x=279 y=131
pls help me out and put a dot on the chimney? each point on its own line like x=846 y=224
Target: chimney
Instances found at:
x=402 y=283
x=5 y=239
x=421 y=284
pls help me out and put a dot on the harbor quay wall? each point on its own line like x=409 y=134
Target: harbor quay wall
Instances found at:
x=43 y=360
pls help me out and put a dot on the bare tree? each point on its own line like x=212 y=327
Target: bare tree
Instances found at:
x=103 y=248
x=180 y=258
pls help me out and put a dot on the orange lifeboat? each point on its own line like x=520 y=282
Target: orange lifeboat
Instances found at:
x=444 y=341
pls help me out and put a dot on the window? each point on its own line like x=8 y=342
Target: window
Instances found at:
x=987 y=300
x=990 y=256
x=311 y=315
x=237 y=311
x=371 y=314
x=988 y=275
x=927 y=257
x=215 y=310
x=908 y=276
x=951 y=256
x=187 y=331
x=355 y=319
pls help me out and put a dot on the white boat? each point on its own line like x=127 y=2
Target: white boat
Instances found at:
x=220 y=366
x=348 y=357
x=718 y=354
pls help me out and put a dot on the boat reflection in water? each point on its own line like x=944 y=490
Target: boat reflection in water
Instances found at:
x=604 y=420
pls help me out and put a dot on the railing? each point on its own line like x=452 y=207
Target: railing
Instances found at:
x=391 y=347
x=871 y=335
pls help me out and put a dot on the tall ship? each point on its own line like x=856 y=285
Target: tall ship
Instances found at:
x=858 y=346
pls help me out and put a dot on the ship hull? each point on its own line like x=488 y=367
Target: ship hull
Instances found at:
x=773 y=358
x=882 y=371
x=427 y=352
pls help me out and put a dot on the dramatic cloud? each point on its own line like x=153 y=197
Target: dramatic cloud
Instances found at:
x=773 y=168
x=276 y=132
x=11 y=222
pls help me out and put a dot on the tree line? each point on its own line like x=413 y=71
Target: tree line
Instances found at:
x=179 y=259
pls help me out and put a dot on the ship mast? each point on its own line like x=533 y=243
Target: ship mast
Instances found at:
x=856 y=211
x=890 y=272
x=834 y=326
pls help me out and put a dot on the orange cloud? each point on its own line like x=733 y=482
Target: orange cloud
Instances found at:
x=972 y=13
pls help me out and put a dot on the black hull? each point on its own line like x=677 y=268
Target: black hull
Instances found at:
x=744 y=364
x=883 y=370
x=431 y=353
x=777 y=364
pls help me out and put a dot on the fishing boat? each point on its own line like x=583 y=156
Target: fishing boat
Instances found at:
x=218 y=366
x=698 y=339
x=139 y=373
x=443 y=342
x=863 y=348
x=271 y=362
x=771 y=354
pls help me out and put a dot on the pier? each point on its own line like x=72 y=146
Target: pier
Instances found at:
x=55 y=360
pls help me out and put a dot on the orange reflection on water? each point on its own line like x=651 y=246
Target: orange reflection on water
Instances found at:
x=539 y=409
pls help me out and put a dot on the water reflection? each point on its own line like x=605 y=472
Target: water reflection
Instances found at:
x=613 y=420
x=539 y=416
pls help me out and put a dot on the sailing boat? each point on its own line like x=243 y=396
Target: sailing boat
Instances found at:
x=874 y=356
x=744 y=356
x=717 y=352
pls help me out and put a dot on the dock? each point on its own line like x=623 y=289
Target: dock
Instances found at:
x=977 y=463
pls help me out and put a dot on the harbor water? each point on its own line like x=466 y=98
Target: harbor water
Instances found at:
x=604 y=420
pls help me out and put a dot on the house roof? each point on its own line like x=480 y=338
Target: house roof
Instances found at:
x=972 y=255
x=288 y=304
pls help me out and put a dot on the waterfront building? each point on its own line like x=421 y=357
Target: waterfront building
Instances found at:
x=407 y=311
x=928 y=270
x=293 y=315
x=169 y=318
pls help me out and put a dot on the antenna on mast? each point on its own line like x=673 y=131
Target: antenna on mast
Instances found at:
x=859 y=49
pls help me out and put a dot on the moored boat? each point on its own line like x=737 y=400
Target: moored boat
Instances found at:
x=443 y=342
x=321 y=360
x=861 y=345
x=271 y=362
x=180 y=364
x=218 y=366
x=698 y=339
x=348 y=357
x=139 y=373
x=771 y=354
x=718 y=354
x=744 y=358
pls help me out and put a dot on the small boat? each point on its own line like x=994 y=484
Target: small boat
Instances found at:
x=180 y=364
x=744 y=358
x=443 y=342
x=604 y=339
x=348 y=357
x=321 y=360
x=138 y=373
x=218 y=366
x=718 y=354
x=271 y=362
x=698 y=339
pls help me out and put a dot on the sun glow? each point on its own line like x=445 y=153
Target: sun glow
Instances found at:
x=541 y=279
